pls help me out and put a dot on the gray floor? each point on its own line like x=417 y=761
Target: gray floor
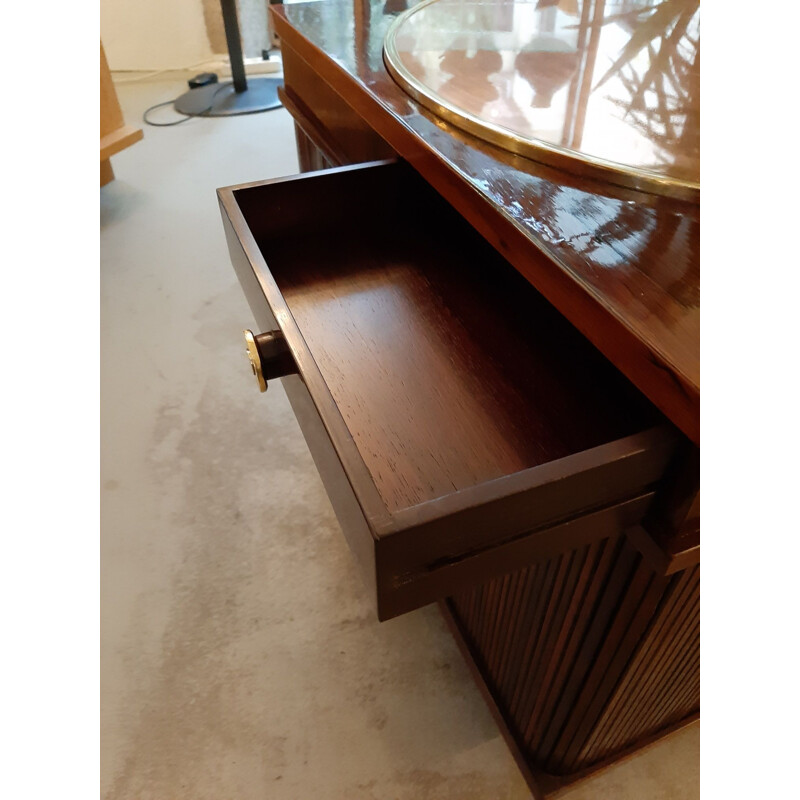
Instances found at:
x=240 y=653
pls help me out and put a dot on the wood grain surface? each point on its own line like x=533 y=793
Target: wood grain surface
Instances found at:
x=448 y=368
x=470 y=423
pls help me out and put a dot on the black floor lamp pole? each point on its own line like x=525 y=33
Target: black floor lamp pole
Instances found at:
x=234 y=41
x=231 y=97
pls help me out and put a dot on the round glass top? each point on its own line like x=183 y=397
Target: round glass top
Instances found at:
x=608 y=89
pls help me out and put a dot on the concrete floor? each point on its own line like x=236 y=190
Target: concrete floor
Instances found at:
x=241 y=657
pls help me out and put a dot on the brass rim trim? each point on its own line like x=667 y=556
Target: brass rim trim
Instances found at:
x=553 y=155
x=255 y=359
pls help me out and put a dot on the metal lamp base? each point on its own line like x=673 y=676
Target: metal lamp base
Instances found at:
x=222 y=99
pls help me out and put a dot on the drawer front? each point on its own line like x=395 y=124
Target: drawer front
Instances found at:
x=345 y=505
x=348 y=512
x=471 y=511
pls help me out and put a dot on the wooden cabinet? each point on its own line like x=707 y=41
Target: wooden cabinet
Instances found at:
x=115 y=135
x=498 y=426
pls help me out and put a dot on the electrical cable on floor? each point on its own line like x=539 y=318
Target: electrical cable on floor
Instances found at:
x=163 y=124
x=186 y=118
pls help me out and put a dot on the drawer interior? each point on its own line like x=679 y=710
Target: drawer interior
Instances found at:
x=448 y=368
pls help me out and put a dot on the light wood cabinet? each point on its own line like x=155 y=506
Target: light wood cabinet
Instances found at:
x=115 y=135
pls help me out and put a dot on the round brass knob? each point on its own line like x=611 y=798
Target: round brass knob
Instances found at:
x=269 y=356
x=255 y=359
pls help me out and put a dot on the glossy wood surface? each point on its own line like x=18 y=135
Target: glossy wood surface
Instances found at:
x=586 y=85
x=622 y=266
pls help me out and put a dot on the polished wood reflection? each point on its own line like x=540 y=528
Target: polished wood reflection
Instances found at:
x=622 y=266
x=587 y=86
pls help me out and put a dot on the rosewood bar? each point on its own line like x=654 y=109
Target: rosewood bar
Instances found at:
x=501 y=425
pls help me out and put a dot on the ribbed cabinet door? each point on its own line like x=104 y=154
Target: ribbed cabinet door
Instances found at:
x=586 y=653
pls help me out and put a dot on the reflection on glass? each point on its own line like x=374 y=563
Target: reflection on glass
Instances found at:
x=470 y=72
x=613 y=83
x=662 y=92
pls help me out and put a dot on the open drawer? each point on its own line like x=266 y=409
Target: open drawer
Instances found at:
x=461 y=426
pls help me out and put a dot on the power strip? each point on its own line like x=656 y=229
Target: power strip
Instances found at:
x=252 y=66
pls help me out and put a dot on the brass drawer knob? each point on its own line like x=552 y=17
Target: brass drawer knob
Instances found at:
x=269 y=356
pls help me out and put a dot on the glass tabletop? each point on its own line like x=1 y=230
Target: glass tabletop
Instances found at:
x=604 y=88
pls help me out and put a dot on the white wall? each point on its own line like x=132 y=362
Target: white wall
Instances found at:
x=153 y=34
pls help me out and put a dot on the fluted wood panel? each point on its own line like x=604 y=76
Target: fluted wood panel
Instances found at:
x=586 y=653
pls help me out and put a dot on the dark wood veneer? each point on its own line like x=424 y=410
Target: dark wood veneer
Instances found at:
x=464 y=410
x=584 y=639
x=603 y=655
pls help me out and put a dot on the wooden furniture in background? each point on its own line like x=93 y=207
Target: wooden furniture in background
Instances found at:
x=115 y=135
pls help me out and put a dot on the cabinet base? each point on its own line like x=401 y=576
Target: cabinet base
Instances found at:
x=543 y=784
